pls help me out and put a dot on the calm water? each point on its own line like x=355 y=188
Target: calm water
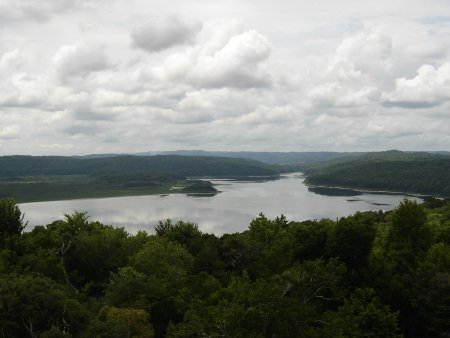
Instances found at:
x=229 y=211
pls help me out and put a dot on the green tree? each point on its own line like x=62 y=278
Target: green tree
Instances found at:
x=163 y=261
x=271 y=244
x=184 y=233
x=31 y=305
x=156 y=280
x=287 y=305
x=351 y=240
x=409 y=228
x=11 y=220
x=126 y=323
x=310 y=238
x=395 y=262
x=363 y=315
x=431 y=293
x=129 y=288
x=237 y=254
x=78 y=252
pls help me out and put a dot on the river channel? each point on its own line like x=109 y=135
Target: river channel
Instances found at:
x=229 y=211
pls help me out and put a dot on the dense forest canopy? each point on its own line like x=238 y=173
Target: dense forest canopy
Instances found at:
x=180 y=166
x=41 y=178
x=392 y=170
x=372 y=274
x=276 y=157
x=280 y=158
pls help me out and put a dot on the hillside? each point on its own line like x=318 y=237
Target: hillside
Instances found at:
x=419 y=172
x=180 y=166
x=43 y=178
x=279 y=158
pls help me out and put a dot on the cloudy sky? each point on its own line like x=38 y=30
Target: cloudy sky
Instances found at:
x=98 y=76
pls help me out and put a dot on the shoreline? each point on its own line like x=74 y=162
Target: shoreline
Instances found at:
x=371 y=191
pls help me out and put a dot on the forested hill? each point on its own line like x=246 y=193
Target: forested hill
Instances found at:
x=391 y=170
x=178 y=166
x=281 y=158
x=49 y=178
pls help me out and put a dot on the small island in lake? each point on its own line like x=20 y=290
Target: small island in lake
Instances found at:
x=200 y=187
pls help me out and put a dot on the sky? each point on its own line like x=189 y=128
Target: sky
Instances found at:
x=123 y=76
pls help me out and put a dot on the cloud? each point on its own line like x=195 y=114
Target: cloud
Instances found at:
x=270 y=115
x=79 y=60
x=291 y=77
x=88 y=114
x=212 y=104
x=82 y=129
x=430 y=87
x=158 y=36
x=10 y=132
x=40 y=11
x=336 y=94
x=353 y=75
x=236 y=64
x=227 y=56
x=10 y=61
x=19 y=88
x=23 y=90
x=369 y=51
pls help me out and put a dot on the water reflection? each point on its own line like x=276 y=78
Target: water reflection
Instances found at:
x=203 y=194
x=334 y=191
x=229 y=211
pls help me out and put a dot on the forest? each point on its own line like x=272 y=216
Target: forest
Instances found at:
x=371 y=274
x=46 y=178
x=277 y=157
x=419 y=173
x=179 y=166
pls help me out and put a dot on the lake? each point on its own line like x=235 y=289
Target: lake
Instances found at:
x=229 y=211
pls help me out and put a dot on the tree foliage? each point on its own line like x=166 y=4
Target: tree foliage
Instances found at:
x=11 y=220
x=392 y=171
x=365 y=275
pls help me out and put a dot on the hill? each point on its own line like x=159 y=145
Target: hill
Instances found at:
x=417 y=172
x=40 y=178
x=279 y=158
x=180 y=166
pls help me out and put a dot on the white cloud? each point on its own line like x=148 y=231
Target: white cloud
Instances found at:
x=10 y=61
x=79 y=60
x=270 y=115
x=292 y=77
x=335 y=94
x=362 y=63
x=430 y=87
x=206 y=105
x=41 y=11
x=236 y=64
x=23 y=90
x=9 y=132
x=228 y=56
x=369 y=51
x=353 y=75
x=157 y=36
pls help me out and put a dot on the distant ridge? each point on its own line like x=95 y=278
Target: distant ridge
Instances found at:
x=268 y=157
x=174 y=165
x=273 y=157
